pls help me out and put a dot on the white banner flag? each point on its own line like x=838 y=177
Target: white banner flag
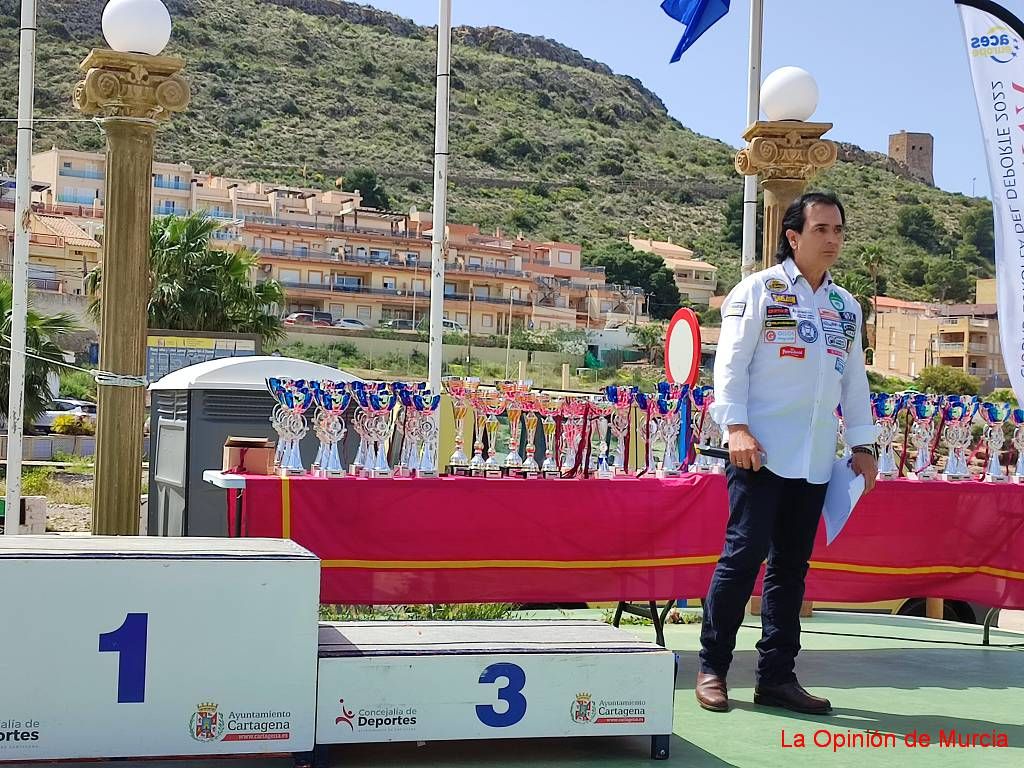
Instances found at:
x=995 y=39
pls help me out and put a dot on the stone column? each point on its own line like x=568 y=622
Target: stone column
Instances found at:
x=786 y=155
x=130 y=95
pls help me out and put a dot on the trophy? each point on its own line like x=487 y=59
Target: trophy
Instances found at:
x=514 y=393
x=549 y=407
x=1017 y=416
x=461 y=392
x=358 y=466
x=377 y=404
x=574 y=413
x=922 y=410
x=530 y=467
x=602 y=410
x=427 y=433
x=706 y=431
x=958 y=414
x=995 y=415
x=409 y=456
x=886 y=410
x=649 y=419
x=670 y=406
x=621 y=399
x=294 y=398
x=488 y=405
x=332 y=398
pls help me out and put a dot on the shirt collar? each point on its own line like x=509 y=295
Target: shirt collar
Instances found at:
x=793 y=273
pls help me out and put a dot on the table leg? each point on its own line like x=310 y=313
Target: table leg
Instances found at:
x=990 y=618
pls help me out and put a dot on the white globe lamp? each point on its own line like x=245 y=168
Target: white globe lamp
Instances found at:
x=789 y=93
x=136 y=26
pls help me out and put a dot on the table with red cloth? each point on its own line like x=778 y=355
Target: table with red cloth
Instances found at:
x=451 y=539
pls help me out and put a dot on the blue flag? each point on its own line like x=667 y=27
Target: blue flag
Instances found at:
x=697 y=15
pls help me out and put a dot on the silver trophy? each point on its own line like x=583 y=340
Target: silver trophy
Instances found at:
x=669 y=408
x=648 y=409
x=377 y=407
x=601 y=411
x=923 y=409
x=886 y=410
x=295 y=398
x=332 y=399
x=1017 y=417
x=995 y=415
x=705 y=429
x=621 y=399
x=958 y=413
x=427 y=433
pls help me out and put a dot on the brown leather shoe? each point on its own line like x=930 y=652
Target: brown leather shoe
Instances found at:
x=712 y=693
x=791 y=696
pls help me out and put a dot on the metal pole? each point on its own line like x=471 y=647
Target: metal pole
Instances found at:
x=440 y=214
x=19 y=299
x=508 y=343
x=747 y=264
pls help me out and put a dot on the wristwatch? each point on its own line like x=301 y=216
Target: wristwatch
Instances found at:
x=869 y=449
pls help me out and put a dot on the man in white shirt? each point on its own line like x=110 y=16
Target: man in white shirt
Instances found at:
x=789 y=354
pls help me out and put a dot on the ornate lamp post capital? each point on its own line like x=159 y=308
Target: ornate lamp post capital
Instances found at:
x=131 y=85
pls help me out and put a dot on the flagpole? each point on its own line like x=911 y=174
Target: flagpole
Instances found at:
x=19 y=298
x=440 y=212
x=747 y=264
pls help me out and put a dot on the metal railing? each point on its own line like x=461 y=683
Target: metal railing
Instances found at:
x=951 y=346
x=980 y=348
x=169 y=210
x=45 y=284
x=67 y=197
x=168 y=184
x=395 y=293
x=80 y=173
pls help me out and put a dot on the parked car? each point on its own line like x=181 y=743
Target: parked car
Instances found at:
x=351 y=324
x=322 y=319
x=398 y=324
x=449 y=326
x=64 y=407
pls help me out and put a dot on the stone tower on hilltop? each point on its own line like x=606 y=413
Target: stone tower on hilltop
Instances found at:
x=916 y=152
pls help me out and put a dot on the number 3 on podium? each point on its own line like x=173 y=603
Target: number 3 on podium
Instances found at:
x=511 y=693
x=129 y=642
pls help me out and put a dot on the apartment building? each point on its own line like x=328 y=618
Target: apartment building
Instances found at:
x=333 y=255
x=60 y=252
x=696 y=280
x=913 y=335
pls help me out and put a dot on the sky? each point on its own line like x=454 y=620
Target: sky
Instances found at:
x=881 y=65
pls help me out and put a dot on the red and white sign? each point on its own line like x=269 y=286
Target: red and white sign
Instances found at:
x=682 y=348
x=797 y=353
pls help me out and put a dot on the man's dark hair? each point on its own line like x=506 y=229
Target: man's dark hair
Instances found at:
x=796 y=216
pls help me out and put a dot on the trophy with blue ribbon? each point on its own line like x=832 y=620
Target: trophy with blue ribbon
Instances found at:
x=1017 y=417
x=995 y=415
x=294 y=398
x=377 y=404
x=958 y=413
x=706 y=431
x=670 y=403
x=886 y=410
x=922 y=410
x=621 y=399
x=332 y=398
x=424 y=455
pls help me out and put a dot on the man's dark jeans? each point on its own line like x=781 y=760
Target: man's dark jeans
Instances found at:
x=773 y=517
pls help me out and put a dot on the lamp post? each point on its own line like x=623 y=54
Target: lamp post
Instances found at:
x=130 y=89
x=784 y=150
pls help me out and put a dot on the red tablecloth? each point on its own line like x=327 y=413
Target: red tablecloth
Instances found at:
x=474 y=540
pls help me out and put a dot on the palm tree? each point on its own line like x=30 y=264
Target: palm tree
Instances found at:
x=874 y=259
x=42 y=339
x=861 y=290
x=196 y=288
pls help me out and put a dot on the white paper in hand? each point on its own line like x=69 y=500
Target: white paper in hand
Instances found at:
x=844 y=491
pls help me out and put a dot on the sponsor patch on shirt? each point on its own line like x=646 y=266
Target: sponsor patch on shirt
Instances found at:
x=840 y=365
x=784 y=298
x=736 y=309
x=850 y=331
x=785 y=336
x=805 y=314
x=839 y=342
x=780 y=323
x=850 y=317
x=829 y=314
x=774 y=284
x=797 y=353
x=808 y=331
x=831 y=326
x=836 y=301
x=836 y=352
x=779 y=312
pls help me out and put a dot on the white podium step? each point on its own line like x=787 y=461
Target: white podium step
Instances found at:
x=424 y=681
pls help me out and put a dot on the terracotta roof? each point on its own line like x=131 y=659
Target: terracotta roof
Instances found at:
x=885 y=302
x=61 y=226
